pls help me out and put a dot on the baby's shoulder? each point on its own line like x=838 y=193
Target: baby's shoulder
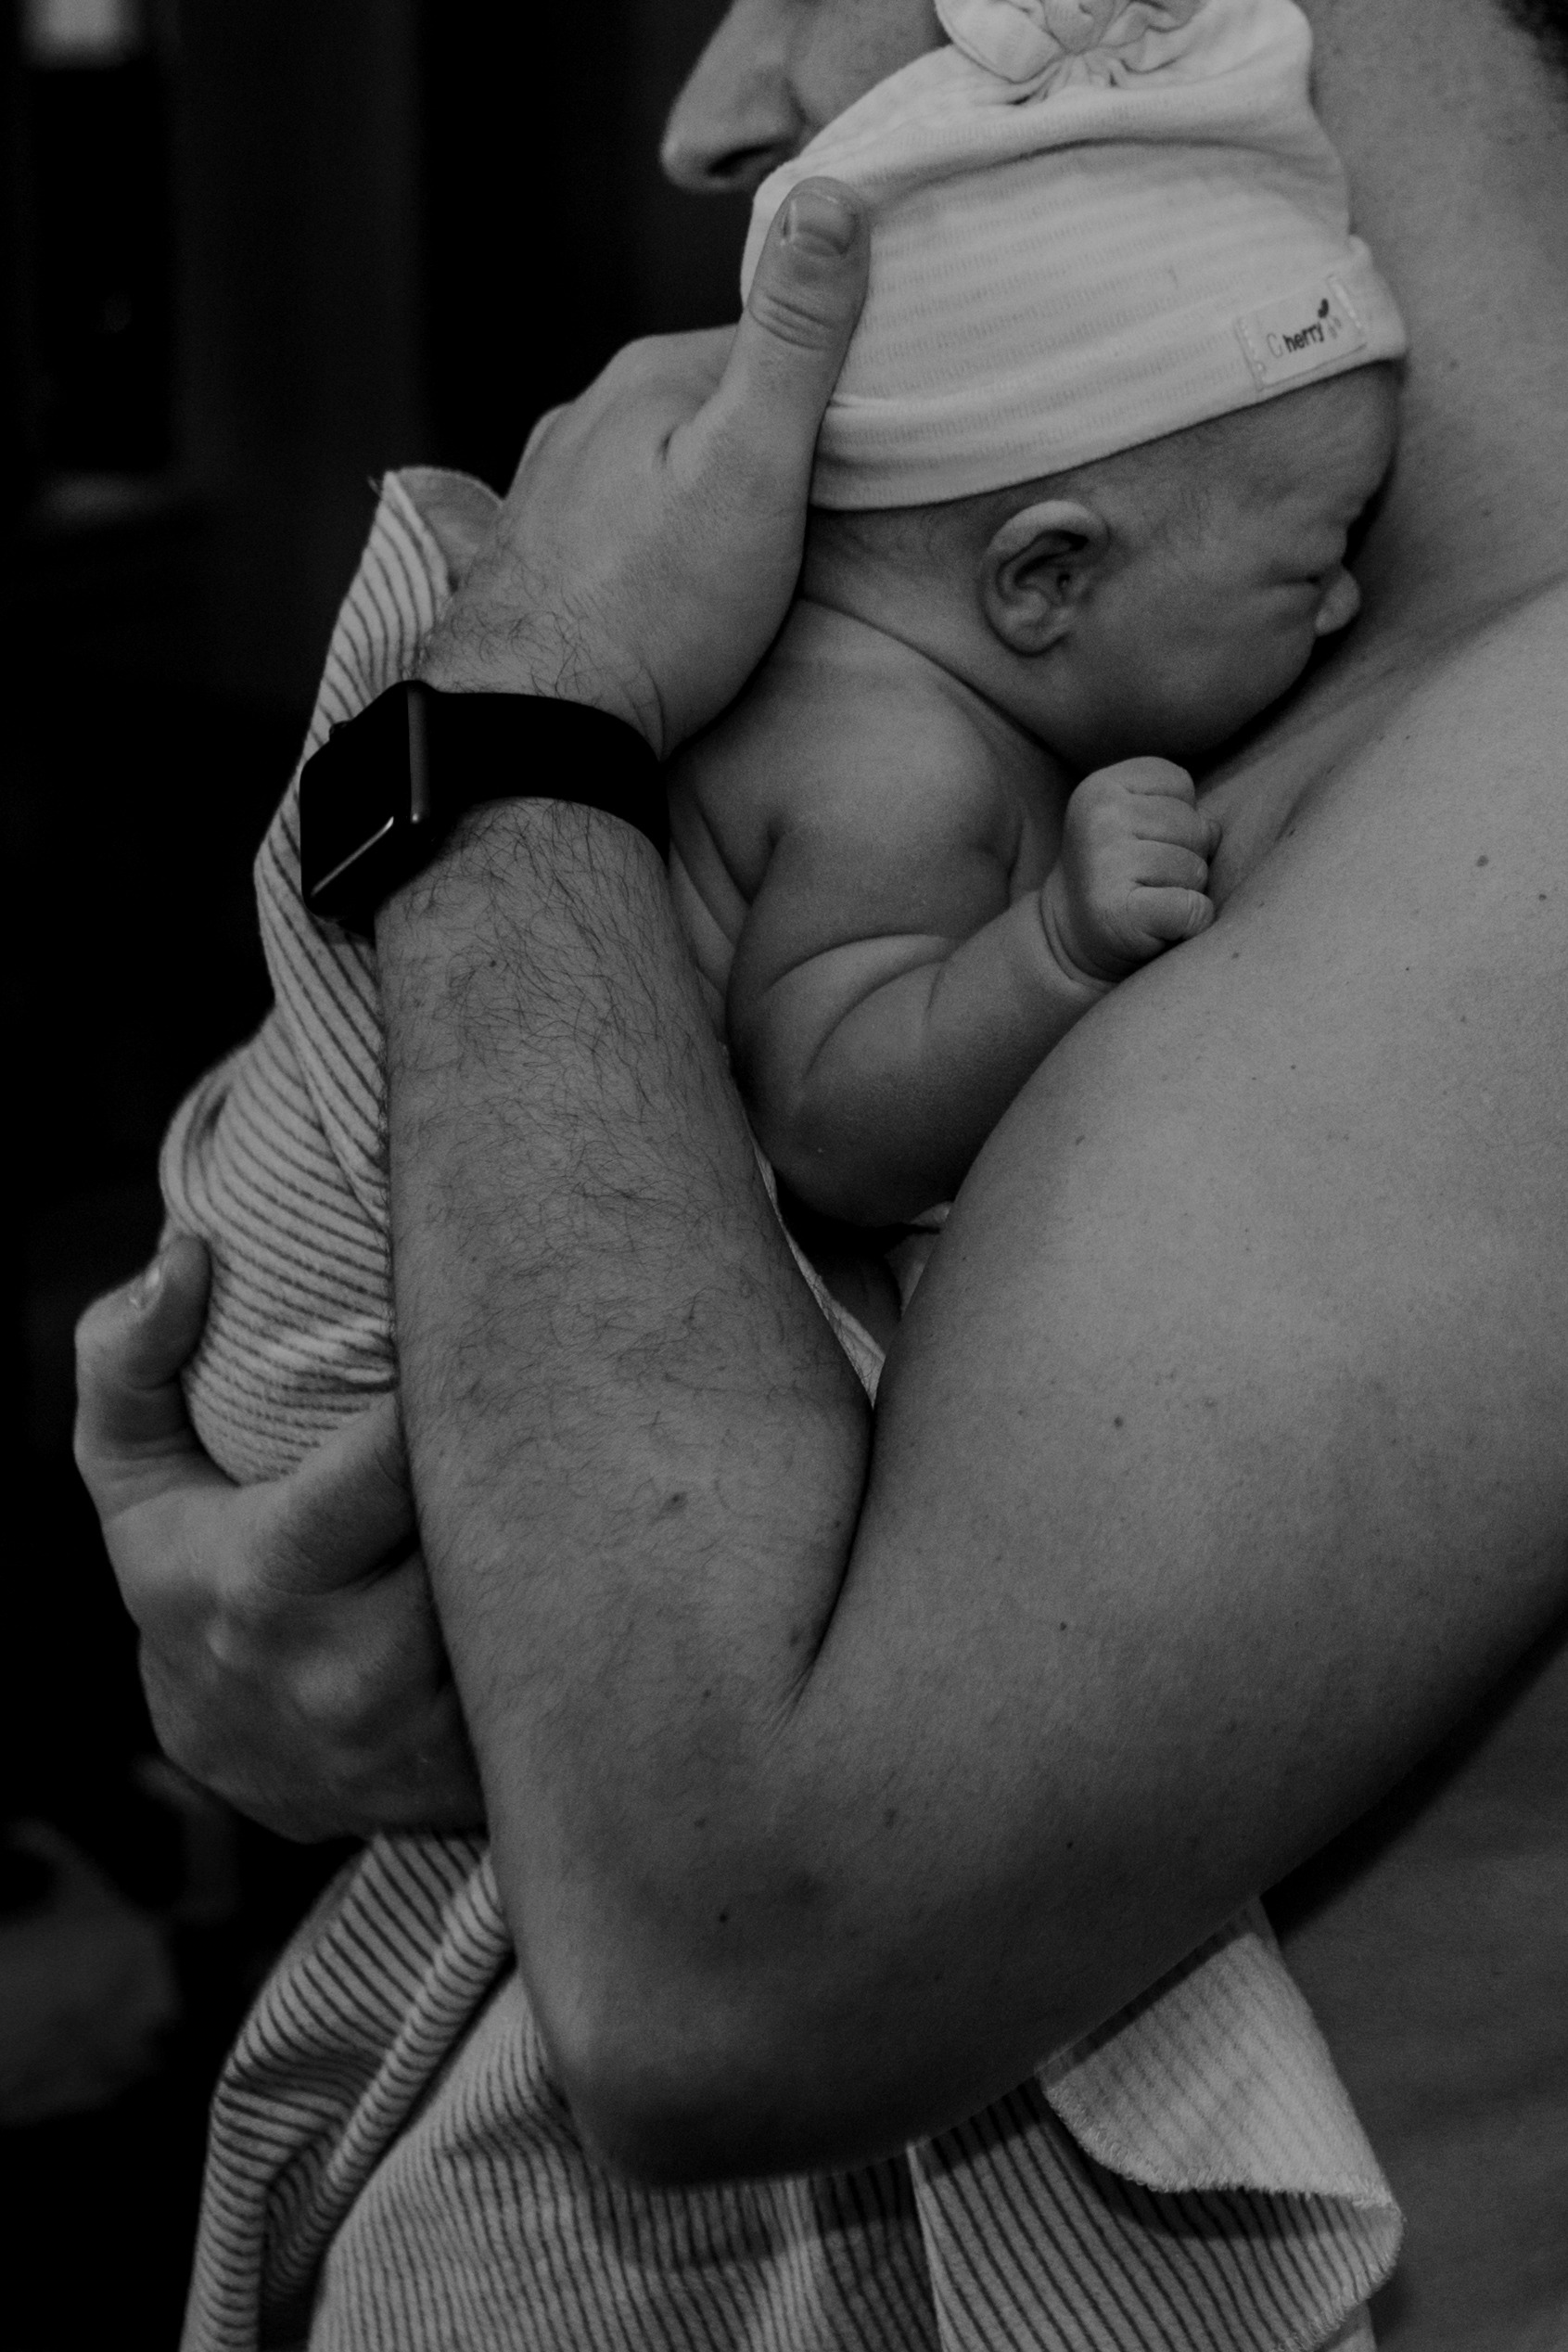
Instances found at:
x=851 y=733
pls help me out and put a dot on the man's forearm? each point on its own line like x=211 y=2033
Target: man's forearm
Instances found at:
x=638 y=1451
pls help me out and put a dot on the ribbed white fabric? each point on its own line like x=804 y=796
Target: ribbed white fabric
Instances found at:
x=392 y=2169
x=1076 y=249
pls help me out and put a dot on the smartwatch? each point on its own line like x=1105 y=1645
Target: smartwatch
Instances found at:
x=386 y=788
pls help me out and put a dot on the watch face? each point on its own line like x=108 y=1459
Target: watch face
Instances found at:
x=357 y=808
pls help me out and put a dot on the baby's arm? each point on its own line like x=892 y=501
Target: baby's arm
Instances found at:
x=887 y=1001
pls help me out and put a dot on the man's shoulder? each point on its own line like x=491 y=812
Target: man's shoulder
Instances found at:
x=1443 y=799
x=1489 y=704
x=1504 y=685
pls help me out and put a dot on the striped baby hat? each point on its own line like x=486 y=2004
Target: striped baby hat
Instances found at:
x=1095 y=221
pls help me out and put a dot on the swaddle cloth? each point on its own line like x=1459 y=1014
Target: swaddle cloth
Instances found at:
x=1093 y=224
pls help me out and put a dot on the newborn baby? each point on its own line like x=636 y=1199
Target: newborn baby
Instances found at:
x=892 y=887
x=1082 y=499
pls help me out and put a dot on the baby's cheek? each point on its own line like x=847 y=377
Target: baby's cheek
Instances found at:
x=1251 y=674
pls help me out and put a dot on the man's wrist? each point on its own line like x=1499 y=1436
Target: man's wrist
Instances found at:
x=380 y=796
x=479 y=646
x=504 y=864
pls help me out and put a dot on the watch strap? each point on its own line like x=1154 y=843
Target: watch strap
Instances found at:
x=380 y=797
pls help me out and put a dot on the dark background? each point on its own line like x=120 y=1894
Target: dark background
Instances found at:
x=255 y=251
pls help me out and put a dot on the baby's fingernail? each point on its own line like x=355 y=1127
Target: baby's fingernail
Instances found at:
x=819 y=222
x=147 y=1284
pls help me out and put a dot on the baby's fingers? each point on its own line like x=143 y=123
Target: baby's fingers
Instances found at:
x=1146 y=799
x=1154 y=825
x=1202 y=833
x=1170 y=816
x=1162 y=779
x=1166 y=865
x=1168 y=916
x=1193 y=828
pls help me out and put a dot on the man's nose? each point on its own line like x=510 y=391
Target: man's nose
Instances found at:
x=736 y=119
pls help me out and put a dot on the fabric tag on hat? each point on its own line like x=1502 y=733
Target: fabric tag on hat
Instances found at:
x=1309 y=329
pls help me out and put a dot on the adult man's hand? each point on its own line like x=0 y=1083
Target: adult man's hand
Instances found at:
x=289 y=1651
x=651 y=542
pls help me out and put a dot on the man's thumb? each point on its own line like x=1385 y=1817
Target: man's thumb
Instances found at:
x=129 y=1347
x=801 y=311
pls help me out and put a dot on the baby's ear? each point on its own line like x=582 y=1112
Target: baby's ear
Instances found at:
x=1037 y=568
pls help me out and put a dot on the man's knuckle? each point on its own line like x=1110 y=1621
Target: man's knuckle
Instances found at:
x=246 y=1640
x=336 y=1699
x=628 y=366
x=653 y=366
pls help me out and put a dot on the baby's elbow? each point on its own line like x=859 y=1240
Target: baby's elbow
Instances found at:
x=835 y=1172
x=866 y=1197
x=809 y=1131
x=827 y=1187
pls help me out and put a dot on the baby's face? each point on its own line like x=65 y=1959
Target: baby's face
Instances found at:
x=1203 y=628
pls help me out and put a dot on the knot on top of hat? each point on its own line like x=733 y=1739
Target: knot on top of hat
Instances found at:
x=1059 y=42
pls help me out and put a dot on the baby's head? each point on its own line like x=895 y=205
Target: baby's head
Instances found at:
x=1152 y=601
x=1122 y=382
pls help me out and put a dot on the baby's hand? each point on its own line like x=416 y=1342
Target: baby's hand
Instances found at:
x=1133 y=871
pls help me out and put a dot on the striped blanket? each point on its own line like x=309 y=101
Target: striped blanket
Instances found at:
x=392 y=2169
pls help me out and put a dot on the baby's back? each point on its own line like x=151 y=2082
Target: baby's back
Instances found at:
x=850 y=737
